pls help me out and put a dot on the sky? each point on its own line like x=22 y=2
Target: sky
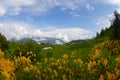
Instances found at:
x=66 y=19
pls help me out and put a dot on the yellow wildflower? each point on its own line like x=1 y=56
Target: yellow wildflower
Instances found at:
x=73 y=55
x=91 y=64
x=26 y=69
x=60 y=67
x=7 y=68
x=71 y=72
x=110 y=76
x=38 y=71
x=25 y=60
x=31 y=66
x=27 y=53
x=64 y=77
x=79 y=61
x=1 y=54
x=20 y=54
x=52 y=63
x=45 y=76
x=105 y=62
x=117 y=71
x=49 y=69
x=98 y=62
x=6 y=75
x=101 y=77
x=45 y=60
x=118 y=60
x=64 y=61
x=35 y=68
x=38 y=63
x=55 y=73
x=58 y=61
x=51 y=59
x=97 y=52
x=31 y=52
x=34 y=55
x=65 y=56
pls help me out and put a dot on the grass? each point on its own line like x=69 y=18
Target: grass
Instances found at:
x=91 y=60
x=82 y=50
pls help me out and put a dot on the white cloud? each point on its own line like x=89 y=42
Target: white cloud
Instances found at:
x=74 y=14
x=104 y=21
x=89 y=7
x=115 y=2
x=45 y=5
x=112 y=2
x=15 y=11
x=110 y=16
x=71 y=5
x=20 y=30
x=62 y=36
x=37 y=33
x=2 y=11
x=19 y=3
x=63 y=9
x=69 y=33
x=14 y=7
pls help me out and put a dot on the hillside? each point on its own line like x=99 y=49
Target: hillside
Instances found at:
x=95 y=59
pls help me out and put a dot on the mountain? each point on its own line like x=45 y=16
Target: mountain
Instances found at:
x=41 y=40
x=25 y=39
x=78 y=41
x=49 y=40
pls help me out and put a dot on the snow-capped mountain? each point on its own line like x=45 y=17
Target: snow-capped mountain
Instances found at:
x=43 y=40
x=48 y=40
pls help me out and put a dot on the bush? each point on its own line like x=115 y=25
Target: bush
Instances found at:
x=3 y=42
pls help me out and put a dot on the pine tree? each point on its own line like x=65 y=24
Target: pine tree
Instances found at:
x=3 y=42
x=97 y=34
x=102 y=32
x=115 y=27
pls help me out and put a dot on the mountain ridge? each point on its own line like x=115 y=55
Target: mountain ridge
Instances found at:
x=41 y=40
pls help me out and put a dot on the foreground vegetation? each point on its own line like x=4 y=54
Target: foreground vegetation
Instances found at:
x=102 y=64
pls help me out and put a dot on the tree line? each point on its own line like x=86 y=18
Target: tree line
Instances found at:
x=113 y=32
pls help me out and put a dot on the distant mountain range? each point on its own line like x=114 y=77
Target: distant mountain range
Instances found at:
x=78 y=41
x=49 y=40
x=41 y=40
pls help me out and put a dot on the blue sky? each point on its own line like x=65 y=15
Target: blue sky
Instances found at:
x=67 y=19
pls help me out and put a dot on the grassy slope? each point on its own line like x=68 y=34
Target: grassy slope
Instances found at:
x=82 y=50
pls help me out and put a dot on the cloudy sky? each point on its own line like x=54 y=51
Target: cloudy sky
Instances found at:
x=68 y=19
